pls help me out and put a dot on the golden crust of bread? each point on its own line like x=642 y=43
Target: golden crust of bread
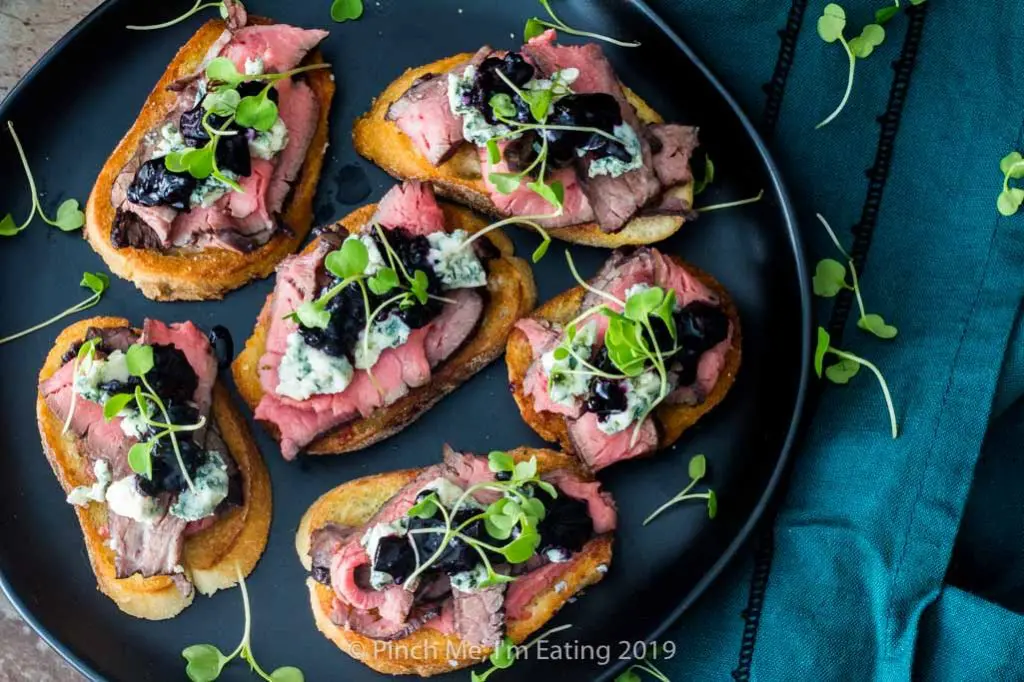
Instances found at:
x=459 y=178
x=191 y=274
x=428 y=652
x=209 y=557
x=511 y=294
x=672 y=420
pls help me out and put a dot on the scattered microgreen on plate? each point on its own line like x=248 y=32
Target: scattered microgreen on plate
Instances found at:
x=96 y=282
x=831 y=24
x=697 y=470
x=847 y=368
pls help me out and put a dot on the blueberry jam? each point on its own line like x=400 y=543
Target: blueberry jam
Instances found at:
x=566 y=525
x=154 y=185
x=488 y=83
x=595 y=110
x=606 y=396
x=347 y=309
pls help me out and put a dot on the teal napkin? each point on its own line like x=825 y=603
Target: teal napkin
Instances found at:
x=857 y=558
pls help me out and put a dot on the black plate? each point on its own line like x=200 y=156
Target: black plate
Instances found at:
x=74 y=106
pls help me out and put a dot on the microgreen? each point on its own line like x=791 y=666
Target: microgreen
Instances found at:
x=526 y=221
x=830 y=278
x=1011 y=198
x=205 y=661
x=69 y=217
x=96 y=282
x=196 y=8
x=844 y=371
x=346 y=10
x=709 y=176
x=632 y=673
x=86 y=354
x=731 y=204
x=536 y=26
x=885 y=14
x=697 y=470
x=504 y=654
x=831 y=24
x=515 y=515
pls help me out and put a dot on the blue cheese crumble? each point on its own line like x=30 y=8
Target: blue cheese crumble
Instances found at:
x=469 y=581
x=456 y=267
x=391 y=332
x=307 y=371
x=266 y=145
x=97 y=492
x=210 y=488
x=475 y=127
x=94 y=372
x=125 y=499
x=564 y=384
x=612 y=166
x=641 y=392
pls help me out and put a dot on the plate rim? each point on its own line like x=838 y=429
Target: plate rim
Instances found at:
x=797 y=421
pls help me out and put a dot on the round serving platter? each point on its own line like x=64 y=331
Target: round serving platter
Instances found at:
x=84 y=94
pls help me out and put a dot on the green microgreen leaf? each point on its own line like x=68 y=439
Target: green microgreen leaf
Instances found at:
x=96 y=282
x=871 y=36
x=712 y=504
x=493 y=152
x=629 y=675
x=1012 y=165
x=876 y=325
x=197 y=162
x=419 y=286
x=384 y=281
x=554 y=193
x=841 y=372
x=140 y=459
x=547 y=487
x=540 y=102
x=8 y=228
x=831 y=23
x=502 y=105
x=222 y=102
x=69 y=216
x=223 y=70
x=697 y=470
x=115 y=404
x=541 y=249
x=522 y=548
x=643 y=303
x=425 y=508
x=287 y=674
x=1009 y=201
x=506 y=183
x=258 y=112
x=350 y=260
x=504 y=654
x=139 y=359
x=708 y=178
x=498 y=461
x=819 y=351
x=524 y=471
x=534 y=27
x=346 y=10
x=698 y=467
x=313 y=315
x=883 y=15
x=829 y=278
x=205 y=662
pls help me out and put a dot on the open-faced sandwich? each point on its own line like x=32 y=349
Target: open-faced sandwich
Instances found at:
x=546 y=134
x=378 y=319
x=451 y=559
x=168 y=486
x=619 y=367
x=214 y=183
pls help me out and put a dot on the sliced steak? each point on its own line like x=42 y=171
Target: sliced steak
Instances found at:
x=299 y=108
x=454 y=325
x=523 y=201
x=281 y=47
x=425 y=116
x=324 y=544
x=412 y=207
x=672 y=147
x=599 y=449
x=542 y=337
x=372 y=625
x=131 y=230
x=600 y=504
x=526 y=587
x=479 y=616
x=147 y=548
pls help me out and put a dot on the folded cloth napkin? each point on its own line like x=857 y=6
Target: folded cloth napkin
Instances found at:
x=856 y=560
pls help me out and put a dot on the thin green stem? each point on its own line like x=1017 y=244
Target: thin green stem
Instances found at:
x=731 y=204
x=525 y=220
x=84 y=305
x=856 y=290
x=372 y=316
x=832 y=234
x=562 y=26
x=881 y=380
x=174 y=439
x=198 y=7
x=675 y=500
x=849 y=85
x=31 y=182
x=586 y=285
x=440 y=548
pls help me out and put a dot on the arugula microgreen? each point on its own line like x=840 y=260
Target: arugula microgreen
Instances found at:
x=69 y=217
x=346 y=10
x=515 y=509
x=885 y=14
x=139 y=360
x=196 y=8
x=847 y=367
x=830 y=279
x=709 y=176
x=96 y=282
x=504 y=654
x=205 y=661
x=536 y=26
x=527 y=221
x=697 y=470
x=1011 y=198
x=85 y=356
x=830 y=28
x=731 y=204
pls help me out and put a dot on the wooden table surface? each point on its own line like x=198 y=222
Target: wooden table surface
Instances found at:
x=27 y=29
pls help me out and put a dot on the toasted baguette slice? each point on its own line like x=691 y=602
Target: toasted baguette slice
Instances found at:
x=353 y=503
x=511 y=294
x=459 y=178
x=672 y=420
x=210 y=556
x=193 y=274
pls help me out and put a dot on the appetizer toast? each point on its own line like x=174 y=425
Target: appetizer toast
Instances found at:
x=404 y=125
x=207 y=250
x=569 y=424
x=209 y=550
x=508 y=294
x=452 y=636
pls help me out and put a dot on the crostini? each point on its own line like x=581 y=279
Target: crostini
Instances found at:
x=161 y=470
x=387 y=580
x=377 y=319
x=620 y=366
x=546 y=134
x=213 y=185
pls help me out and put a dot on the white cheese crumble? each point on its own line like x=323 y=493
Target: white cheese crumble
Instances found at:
x=558 y=555
x=456 y=267
x=307 y=371
x=97 y=492
x=267 y=144
x=641 y=391
x=254 y=67
x=125 y=499
x=611 y=166
x=391 y=332
x=133 y=424
x=94 y=372
x=564 y=386
x=447 y=492
x=208 y=191
x=210 y=488
x=169 y=140
x=475 y=127
x=469 y=581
